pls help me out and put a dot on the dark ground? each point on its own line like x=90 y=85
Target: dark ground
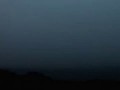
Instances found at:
x=35 y=80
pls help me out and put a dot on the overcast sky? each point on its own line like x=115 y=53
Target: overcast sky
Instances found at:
x=59 y=33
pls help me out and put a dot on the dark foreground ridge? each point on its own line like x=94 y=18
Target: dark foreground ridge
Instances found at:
x=35 y=80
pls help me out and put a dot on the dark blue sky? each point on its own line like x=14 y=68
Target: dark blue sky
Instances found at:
x=59 y=33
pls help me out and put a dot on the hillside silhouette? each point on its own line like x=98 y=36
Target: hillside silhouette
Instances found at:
x=39 y=80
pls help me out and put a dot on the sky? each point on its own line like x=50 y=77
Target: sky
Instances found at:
x=59 y=33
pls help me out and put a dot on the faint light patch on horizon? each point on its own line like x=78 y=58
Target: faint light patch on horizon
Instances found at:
x=59 y=33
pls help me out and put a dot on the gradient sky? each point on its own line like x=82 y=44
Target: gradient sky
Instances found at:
x=59 y=33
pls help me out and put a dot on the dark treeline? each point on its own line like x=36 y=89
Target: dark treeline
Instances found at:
x=33 y=79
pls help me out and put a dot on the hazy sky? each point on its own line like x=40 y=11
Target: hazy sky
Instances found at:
x=59 y=33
